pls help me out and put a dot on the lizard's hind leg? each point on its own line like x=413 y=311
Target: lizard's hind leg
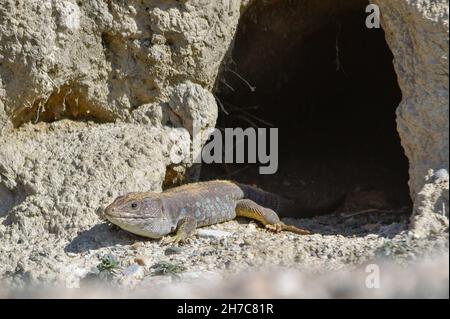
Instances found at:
x=266 y=216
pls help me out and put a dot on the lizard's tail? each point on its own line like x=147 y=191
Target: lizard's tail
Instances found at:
x=298 y=209
x=286 y=207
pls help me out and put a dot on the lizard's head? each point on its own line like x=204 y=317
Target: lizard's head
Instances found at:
x=138 y=213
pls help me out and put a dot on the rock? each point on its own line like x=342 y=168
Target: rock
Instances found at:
x=173 y=250
x=424 y=93
x=212 y=233
x=441 y=174
x=251 y=227
x=191 y=275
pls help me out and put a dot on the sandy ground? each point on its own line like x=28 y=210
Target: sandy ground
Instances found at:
x=236 y=254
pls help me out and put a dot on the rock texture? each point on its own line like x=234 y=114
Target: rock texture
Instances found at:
x=418 y=35
x=106 y=60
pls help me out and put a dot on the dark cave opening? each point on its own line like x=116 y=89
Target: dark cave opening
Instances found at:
x=328 y=84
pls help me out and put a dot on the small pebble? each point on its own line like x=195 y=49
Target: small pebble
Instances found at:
x=371 y=227
x=191 y=275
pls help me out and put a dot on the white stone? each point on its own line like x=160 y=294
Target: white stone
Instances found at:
x=212 y=233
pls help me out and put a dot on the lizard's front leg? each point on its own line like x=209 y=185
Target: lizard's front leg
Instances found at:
x=266 y=216
x=185 y=228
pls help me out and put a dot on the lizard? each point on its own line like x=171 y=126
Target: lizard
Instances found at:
x=184 y=208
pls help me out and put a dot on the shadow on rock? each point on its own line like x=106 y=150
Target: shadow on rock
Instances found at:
x=100 y=236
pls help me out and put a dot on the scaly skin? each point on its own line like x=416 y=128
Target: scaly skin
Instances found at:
x=182 y=209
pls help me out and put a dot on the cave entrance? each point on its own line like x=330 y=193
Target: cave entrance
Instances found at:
x=317 y=73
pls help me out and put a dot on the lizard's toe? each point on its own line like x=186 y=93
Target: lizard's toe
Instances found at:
x=186 y=241
x=169 y=240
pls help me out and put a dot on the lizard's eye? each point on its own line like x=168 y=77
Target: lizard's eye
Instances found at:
x=134 y=205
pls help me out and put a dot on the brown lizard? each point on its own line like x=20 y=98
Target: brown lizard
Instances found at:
x=182 y=209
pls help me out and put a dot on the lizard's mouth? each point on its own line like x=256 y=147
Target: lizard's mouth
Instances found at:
x=111 y=212
x=130 y=225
